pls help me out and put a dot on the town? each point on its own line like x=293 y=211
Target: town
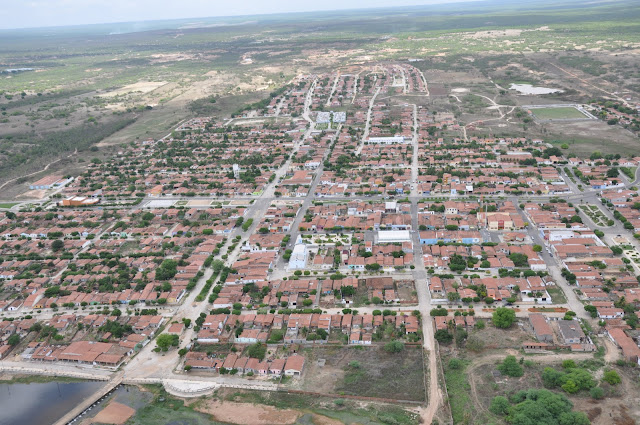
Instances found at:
x=342 y=213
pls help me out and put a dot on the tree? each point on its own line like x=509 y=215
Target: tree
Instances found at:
x=438 y=312
x=519 y=260
x=503 y=317
x=443 y=336
x=611 y=377
x=165 y=341
x=499 y=405
x=537 y=248
x=570 y=387
x=453 y=296
x=57 y=245
x=257 y=351
x=307 y=302
x=511 y=367
x=394 y=347
x=543 y=407
x=13 y=340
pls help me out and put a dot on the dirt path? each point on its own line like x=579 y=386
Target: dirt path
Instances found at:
x=495 y=106
x=582 y=80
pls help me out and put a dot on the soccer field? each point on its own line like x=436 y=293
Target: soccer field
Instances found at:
x=557 y=113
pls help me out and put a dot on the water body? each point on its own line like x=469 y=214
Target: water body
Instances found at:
x=529 y=89
x=41 y=403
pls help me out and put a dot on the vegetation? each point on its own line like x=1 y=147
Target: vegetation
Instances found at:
x=503 y=317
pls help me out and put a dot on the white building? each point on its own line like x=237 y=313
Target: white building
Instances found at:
x=387 y=140
x=323 y=118
x=339 y=117
x=299 y=256
x=394 y=236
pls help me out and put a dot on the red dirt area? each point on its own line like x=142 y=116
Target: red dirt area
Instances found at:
x=114 y=414
x=549 y=309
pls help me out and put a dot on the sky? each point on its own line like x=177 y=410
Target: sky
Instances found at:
x=46 y=13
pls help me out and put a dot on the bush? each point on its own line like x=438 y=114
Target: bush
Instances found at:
x=257 y=351
x=443 y=336
x=511 y=367
x=438 y=312
x=455 y=364
x=611 y=377
x=499 y=405
x=596 y=393
x=394 y=347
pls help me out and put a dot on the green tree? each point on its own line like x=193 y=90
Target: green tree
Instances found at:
x=499 y=405
x=13 y=340
x=165 y=341
x=511 y=367
x=503 y=317
x=57 y=245
x=257 y=351
x=545 y=408
x=443 y=336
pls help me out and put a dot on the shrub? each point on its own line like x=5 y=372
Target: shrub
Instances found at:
x=499 y=405
x=596 y=393
x=455 y=364
x=443 y=336
x=511 y=367
x=611 y=377
x=394 y=347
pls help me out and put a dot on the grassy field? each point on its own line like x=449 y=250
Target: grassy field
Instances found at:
x=8 y=205
x=168 y=410
x=557 y=113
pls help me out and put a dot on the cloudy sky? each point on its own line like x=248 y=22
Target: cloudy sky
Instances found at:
x=43 y=13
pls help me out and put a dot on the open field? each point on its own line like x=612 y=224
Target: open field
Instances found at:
x=375 y=372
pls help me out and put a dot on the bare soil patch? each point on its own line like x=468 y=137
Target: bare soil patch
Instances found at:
x=248 y=414
x=115 y=413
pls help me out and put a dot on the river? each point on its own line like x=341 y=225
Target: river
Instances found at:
x=41 y=403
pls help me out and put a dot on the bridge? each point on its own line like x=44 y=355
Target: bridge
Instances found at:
x=91 y=400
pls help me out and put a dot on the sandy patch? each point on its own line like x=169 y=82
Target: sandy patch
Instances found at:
x=141 y=87
x=115 y=413
x=172 y=57
x=459 y=90
x=33 y=194
x=249 y=414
